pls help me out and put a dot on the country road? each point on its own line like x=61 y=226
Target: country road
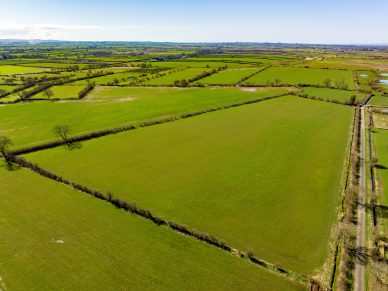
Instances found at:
x=359 y=270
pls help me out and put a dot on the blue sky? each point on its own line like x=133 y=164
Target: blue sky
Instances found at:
x=341 y=21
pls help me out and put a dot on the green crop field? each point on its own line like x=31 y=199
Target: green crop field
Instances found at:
x=11 y=70
x=56 y=238
x=228 y=174
x=107 y=107
x=295 y=76
x=229 y=76
x=333 y=94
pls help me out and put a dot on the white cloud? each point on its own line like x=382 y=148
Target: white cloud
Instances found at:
x=41 y=31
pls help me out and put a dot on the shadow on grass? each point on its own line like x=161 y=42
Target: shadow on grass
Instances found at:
x=381 y=167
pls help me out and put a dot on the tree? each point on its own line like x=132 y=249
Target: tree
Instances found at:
x=62 y=131
x=4 y=150
x=48 y=93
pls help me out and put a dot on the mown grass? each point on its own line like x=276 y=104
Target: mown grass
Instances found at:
x=263 y=177
x=332 y=94
x=56 y=238
x=105 y=107
x=9 y=70
x=229 y=76
x=295 y=76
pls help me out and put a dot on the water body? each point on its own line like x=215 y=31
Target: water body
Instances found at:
x=384 y=82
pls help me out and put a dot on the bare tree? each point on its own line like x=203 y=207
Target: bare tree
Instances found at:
x=63 y=132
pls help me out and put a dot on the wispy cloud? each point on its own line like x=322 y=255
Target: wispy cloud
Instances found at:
x=41 y=31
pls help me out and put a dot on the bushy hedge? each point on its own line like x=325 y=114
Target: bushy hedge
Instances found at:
x=85 y=91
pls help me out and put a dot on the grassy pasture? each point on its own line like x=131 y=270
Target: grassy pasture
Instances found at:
x=107 y=107
x=196 y=64
x=231 y=174
x=10 y=70
x=378 y=100
x=229 y=76
x=122 y=78
x=56 y=238
x=58 y=65
x=61 y=92
x=295 y=76
x=332 y=94
x=7 y=88
x=380 y=138
x=170 y=78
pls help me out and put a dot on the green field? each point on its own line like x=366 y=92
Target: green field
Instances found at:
x=119 y=78
x=229 y=76
x=196 y=64
x=380 y=137
x=333 y=94
x=378 y=100
x=295 y=76
x=231 y=174
x=108 y=107
x=54 y=238
x=171 y=77
x=7 y=88
x=61 y=92
x=10 y=70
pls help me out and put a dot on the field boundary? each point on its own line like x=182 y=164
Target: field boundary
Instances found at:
x=115 y=130
x=182 y=229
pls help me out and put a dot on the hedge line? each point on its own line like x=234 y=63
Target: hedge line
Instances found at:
x=104 y=132
x=147 y=214
x=85 y=91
